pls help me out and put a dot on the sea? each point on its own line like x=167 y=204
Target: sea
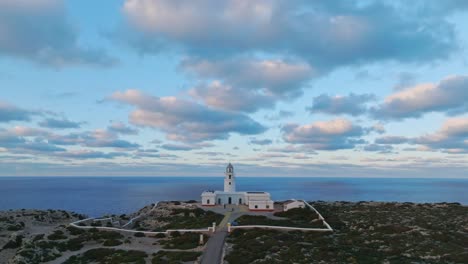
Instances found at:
x=97 y=196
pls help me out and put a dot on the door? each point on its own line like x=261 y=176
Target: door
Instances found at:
x=219 y=200
x=230 y=200
x=240 y=200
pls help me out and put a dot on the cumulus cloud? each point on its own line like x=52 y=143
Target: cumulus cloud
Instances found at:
x=9 y=112
x=121 y=128
x=327 y=34
x=183 y=120
x=59 y=123
x=448 y=96
x=41 y=32
x=352 y=104
x=219 y=95
x=26 y=140
x=258 y=82
x=452 y=137
x=273 y=77
x=391 y=140
x=99 y=138
x=325 y=135
x=262 y=142
x=378 y=148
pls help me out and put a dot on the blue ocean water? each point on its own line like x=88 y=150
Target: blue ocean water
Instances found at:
x=96 y=196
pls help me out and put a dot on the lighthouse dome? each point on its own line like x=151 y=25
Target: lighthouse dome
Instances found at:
x=229 y=168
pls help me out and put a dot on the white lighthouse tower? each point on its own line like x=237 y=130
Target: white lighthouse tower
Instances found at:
x=256 y=201
x=229 y=179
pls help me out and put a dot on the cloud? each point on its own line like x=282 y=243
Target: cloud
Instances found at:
x=121 y=128
x=378 y=148
x=226 y=97
x=183 y=120
x=99 y=138
x=352 y=104
x=448 y=96
x=9 y=112
x=40 y=31
x=185 y=147
x=452 y=137
x=327 y=34
x=59 y=123
x=26 y=140
x=280 y=115
x=325 y=135
x=90 y=154
x=273 y=77
x=293 y=149
x=259 y=82
x=145 y=154
x=260 y=141
x=391 y=140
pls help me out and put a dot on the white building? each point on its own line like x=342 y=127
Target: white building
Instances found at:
x=290 y=204
x=256 y=201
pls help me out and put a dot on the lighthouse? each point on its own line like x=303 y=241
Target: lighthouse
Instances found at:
x=255 y=201
x=229 y=179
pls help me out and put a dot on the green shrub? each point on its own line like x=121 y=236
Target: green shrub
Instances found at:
x=139 y=234
x=75 y=231
x=16 y=243
x=57 y=235
x=160 y=235
x=183 y=241
x=112 y=243
x=108 y=255
x=174 y=256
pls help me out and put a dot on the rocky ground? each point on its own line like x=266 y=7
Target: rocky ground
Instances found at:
x=365 y=232
x=35 y=236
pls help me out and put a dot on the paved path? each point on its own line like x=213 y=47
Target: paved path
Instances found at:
x=214 y=247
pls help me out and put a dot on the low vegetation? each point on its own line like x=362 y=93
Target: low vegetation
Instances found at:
x=365 y=232
x=108 y=256
x=189 y=218
x=182 y=241
x=174 y=257
x=297 y=217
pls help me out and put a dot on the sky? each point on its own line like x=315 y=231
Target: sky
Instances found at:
x=278 y=88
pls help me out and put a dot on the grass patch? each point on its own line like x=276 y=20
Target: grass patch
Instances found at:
x=108 y=256
x=112 y=243
x=183 y=241
x=174 y=257
x=189 y=219
x=57 y=235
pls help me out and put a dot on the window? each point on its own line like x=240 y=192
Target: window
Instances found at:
x=256 y=206
x=208 y=201
x=229 y=183
x=267 y=207
x=229 y=176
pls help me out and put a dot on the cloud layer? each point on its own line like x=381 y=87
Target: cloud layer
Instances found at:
x=183 y=120
x=352 y=104
x=326 y=33
x=324 y=135
x=40 y=31
x=448 y=96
